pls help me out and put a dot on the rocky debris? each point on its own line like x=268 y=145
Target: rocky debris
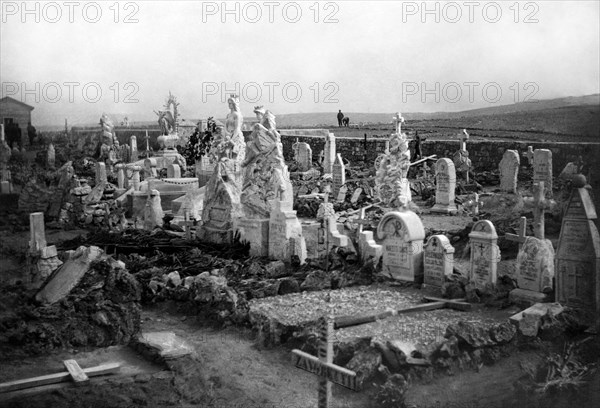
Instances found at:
x=470 y=334
x=103 y=309
x=365 y=364
x=491 y=295
x=391 y=393
x=529 y=320
x=162 y=346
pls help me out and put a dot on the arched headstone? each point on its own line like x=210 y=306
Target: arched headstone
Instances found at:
x=485 y=254
x=445 y=176
x=402 y=234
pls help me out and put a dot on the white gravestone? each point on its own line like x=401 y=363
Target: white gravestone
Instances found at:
x=542 y=167
x=445 y=176
x=330 y=153
x=438 y=260
x=341 y=196
x=133 y=150
x=339 y=174
x=173 y=171
x=100 y=173
x=402 y=234
x=578 y=257
x=509 y=171
x=535 y=265
x=485 y=254
x=284 y=225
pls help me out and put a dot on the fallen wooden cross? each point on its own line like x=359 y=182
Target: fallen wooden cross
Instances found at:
x=433 y=304
x=323 y=365
x=74 y=372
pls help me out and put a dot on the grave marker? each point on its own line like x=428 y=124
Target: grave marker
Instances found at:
x=339 y=174
x=438 y=260
x=100 y=173
x=535 y=265
x=323 y=365
x=51 y=156
x=173 y=171
x=541 y=159
x=578 y=257
x=329 y=153
x=304 y=156
x=402 y=234
x=509 y=171
x=133 y=149
x=341 y=196
x=356 y=195
x=283 y=225
x=521 y=233
x=540 y=204
x=485 y=254
x=37 y=230
x=445 y=176
x=120 y=175
x=366 y=244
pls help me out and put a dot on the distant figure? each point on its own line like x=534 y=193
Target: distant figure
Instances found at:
x=417 y=153
x=346 y=121
x=31 y=133
x=340 y=117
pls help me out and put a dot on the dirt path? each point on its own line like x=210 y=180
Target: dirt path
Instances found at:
x=243 y=375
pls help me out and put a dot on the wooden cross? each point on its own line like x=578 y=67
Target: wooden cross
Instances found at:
x=323 y=365
x=540 y=204
x=521 y=233
x=187 y=225
x=432 y=303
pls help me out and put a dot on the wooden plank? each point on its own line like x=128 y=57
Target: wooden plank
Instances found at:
x=76 y=372
x=457 y=304
x=58 y=377
x=336 y=374
x=424 y=307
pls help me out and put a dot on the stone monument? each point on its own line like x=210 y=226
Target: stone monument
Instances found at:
x=445 y=177
x=509 y=170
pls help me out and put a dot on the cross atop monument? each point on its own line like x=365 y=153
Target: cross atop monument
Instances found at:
x=463 y=141
x=398 y=120
x=529 y=154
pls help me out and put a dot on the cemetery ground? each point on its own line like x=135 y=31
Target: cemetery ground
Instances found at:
x=206 y=325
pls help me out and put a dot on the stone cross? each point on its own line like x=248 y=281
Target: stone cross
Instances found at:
x=521 y=233
x=398 y=120
x=463 y=141
x=323 y=365
x=539 y=204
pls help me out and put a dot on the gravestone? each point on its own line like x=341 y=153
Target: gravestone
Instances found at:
x=578 y=256
x=339 y=174
x=120 y=175
x=285 y=233
x=445 y=177
x=341 y=196
x=100 y=173
x=509 y=171
x=133 y=149
x=485 y=254
x=150 y=170
x=535 y=272
x=356 y=195
x=37 y=231
x=438 y=260
x=402 y=234
x=304 y=156
x=367 y=247
x=153 y=212
x=173 y=171
x=135 y=177
x=541 y=159
x=330 y=153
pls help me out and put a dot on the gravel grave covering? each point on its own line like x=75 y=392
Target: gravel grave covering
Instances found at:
x=300 y=308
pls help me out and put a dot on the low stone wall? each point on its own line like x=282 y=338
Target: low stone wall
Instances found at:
x=485 y=154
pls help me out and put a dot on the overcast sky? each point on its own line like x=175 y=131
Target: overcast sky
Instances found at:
x=358 y=56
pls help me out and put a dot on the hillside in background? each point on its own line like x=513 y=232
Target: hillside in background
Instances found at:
x=570 y=116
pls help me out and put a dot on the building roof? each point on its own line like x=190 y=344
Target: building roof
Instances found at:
x=9 y=99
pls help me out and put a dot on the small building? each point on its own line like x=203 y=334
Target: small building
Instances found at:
x=13 y=114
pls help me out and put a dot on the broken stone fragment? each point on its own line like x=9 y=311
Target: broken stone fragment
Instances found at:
x=174 y=279
x=530 y=319
x=364 y=364
x=470 y=334
x=68 y=275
